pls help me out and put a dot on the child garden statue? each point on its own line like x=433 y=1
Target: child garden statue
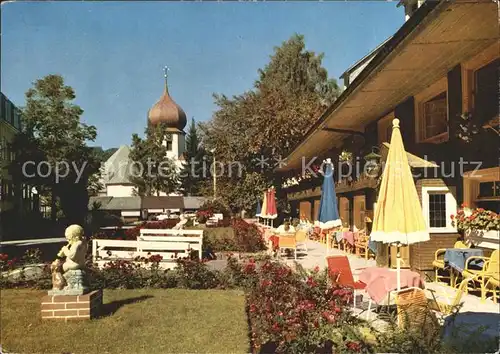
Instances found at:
x=68 y=277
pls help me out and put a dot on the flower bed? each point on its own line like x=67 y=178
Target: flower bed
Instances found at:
x=209 y=208
x=298 y=312
x=288 y=312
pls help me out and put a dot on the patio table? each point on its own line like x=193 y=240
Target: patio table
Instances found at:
x=456 y=257
x=381 y=281
x=349 y=237
x=372 y=245
x=338 y=236
x=275 y=239
x=267 y=234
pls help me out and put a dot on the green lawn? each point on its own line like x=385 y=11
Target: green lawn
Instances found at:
x=135 y=321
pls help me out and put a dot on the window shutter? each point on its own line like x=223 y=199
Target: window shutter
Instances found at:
x=454 y=98
x=486 y=92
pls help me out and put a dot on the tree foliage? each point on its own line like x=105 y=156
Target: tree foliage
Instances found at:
x=192 y=171
x=154 y=172
x=260 y=127
x=53 y=132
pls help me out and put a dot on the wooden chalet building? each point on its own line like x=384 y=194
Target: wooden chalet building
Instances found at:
x=440 y=65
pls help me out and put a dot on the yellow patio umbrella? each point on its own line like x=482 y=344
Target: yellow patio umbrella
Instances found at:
x=263 y=212
x=398 y=216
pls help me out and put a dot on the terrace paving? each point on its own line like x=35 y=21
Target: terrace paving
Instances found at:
x=473 y=313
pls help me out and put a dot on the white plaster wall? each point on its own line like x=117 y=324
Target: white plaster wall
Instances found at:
x=131 y=213
x=178 y=145
x=119 y=190
x=451 y=207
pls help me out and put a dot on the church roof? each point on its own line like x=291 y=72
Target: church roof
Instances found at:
x=163 y=202
x=116 y=203
x=118 y=168
x=193 y=202
x=167 y=112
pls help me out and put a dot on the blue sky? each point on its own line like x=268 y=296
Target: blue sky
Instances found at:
x=113 y=53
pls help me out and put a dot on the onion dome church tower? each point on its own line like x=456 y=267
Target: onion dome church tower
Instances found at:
x=173 y=118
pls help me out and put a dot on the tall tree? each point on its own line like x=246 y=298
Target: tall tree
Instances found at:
x=260 y=127
x=52 y=132
x=154 y=171
x=192 y=171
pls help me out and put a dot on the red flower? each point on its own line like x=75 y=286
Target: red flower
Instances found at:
x=452 y=216
x=353 y=346
x=310 y=281
x=316 y=269
x=249 y=268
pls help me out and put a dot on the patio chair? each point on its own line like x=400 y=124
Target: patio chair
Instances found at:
x=414 y=313
x=438 y=262
x=492 y=282
x=339 y=271
x=301 y=239
x=445 y=302
x=488 y=275
x=287 y=242
x=361 y=245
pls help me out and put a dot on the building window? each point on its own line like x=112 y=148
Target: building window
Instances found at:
x=384 y=127
x=17 y=119
x=489 y=189
x=169 y=145
x=431 y=113
x=439 y=204
x=2 y=148
x=435 y=116
x=9 y=117
x=437 y=210
x=3 y=103
x=486 y=91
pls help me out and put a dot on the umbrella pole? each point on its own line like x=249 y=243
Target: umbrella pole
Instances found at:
x=327 y=243
x=398 y=267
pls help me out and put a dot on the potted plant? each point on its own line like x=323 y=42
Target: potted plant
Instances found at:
x=477 y=224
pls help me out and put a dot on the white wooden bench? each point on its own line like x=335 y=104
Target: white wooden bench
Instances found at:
x=170 y=244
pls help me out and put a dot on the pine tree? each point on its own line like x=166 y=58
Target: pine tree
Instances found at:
x=266 y=123
x=159 y=172
x=192 y=171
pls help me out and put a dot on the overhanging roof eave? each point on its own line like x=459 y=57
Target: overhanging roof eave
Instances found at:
x=392 y=43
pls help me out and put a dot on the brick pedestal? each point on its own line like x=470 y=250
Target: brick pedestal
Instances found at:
x=72 y=307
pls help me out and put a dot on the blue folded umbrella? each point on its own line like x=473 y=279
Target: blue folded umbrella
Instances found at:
x=328 y=210
x=259 y=209
x=372 y=245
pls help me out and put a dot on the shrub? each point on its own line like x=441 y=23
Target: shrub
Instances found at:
x=203 y=215
x=193 y=274
x=211 y=207
x=295 y=312
x=248 y=237
x=240 y=237
x=133 y=233
x=7 y=264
